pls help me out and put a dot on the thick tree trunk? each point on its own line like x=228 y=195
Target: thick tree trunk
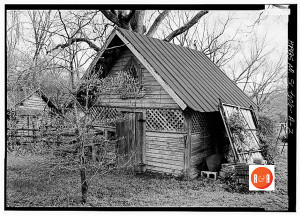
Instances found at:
x=137 y=22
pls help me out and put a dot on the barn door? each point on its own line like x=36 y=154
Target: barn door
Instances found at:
x=130 y=143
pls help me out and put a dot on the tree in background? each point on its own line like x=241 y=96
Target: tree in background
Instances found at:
x=241 y=56
x=242 y=50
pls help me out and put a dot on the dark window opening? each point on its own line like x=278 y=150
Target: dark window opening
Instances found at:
x=134 y=69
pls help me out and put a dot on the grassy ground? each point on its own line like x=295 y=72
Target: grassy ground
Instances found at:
x=29 y=184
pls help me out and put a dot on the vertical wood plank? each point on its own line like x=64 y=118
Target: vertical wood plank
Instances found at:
x=124 y=132
x=28 y=125
x=140 y=142
x=131 y=147
x=136 y=144
x=188 y=148
x=118 y=143
x=130 y=139
x=94 y=151
x=143 y=141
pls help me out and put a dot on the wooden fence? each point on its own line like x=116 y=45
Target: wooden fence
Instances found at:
x=33 y=130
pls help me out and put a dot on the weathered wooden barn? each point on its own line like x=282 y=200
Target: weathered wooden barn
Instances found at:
x=29 y=114
x=176 y=121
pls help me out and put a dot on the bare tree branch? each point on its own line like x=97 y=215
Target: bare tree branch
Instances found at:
x=63 y=23
x=75 y=40
x=186 y=27
x=111 y=16
x=87 y=23
x=157 y=22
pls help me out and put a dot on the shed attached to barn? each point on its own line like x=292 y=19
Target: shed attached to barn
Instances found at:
x=176 y=121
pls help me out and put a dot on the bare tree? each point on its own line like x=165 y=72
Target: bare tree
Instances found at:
x=13 y=28
x=70 y=58
x=26 y=56
x=78 y=121
x=41 y=23
x=258 y=72
x=75 y=27
x=215 y=42
x=249 y=63
x=268 y=82
x=216 y=35
x=132 y=20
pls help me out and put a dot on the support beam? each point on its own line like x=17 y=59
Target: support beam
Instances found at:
x=187 y=145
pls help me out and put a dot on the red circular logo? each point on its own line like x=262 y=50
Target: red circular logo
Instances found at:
x=261 y=177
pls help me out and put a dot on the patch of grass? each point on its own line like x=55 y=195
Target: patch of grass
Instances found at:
x=29 y=184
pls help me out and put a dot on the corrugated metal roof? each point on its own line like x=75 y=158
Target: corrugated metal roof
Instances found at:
x=189 y=73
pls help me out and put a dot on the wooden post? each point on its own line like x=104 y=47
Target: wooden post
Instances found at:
x=28 y=125
x=94 y=152
x=143 y=150
x=140 y=142
x=187 y=144
x=105 y=133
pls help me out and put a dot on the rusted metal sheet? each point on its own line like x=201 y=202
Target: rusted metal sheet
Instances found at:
x=192 y=75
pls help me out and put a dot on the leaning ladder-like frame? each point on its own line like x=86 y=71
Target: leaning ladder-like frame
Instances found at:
x=222 y=112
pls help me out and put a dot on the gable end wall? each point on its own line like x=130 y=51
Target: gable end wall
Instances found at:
x=154 y=95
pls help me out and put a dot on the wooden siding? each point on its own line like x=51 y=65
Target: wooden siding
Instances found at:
x=34 y=102
x=202 y=147
x=155 y=95
x=28 y=116
x=210 y=139
x=202 y=141
x=165 y=152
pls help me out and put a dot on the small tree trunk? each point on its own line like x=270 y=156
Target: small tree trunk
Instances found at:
x=81 y=134
x=84 y=185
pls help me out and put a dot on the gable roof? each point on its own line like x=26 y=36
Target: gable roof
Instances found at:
x=190 y=77
x=43 y=97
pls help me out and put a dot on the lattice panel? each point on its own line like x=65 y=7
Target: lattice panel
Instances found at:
x=104 y=114
x=199 y=122
x=164 y=120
